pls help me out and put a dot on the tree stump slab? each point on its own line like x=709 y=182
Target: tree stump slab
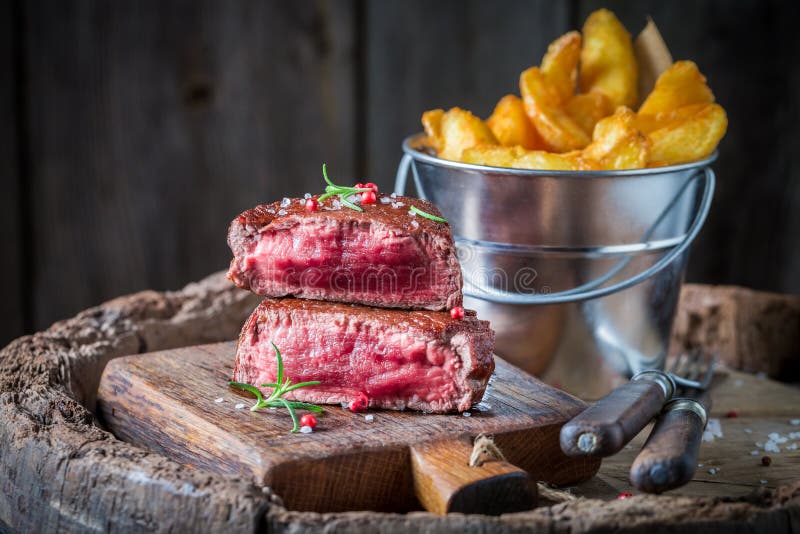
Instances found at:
x=61 y=472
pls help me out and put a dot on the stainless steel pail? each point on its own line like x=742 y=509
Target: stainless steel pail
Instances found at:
x=578 y=272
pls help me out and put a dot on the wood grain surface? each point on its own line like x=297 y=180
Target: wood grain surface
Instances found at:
x=761 y=407
x=166 y=402
x=12 y=262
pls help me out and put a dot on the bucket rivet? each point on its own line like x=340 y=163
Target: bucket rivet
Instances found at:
x=587 y=442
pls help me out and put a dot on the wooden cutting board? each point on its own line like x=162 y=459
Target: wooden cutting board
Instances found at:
x=165 y=401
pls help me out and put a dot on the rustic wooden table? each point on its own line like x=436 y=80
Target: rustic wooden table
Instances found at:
x=747 y=410
x=61 y=472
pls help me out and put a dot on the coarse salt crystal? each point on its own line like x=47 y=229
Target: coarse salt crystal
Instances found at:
x=239 y=406
x=282 y=212
x=755 y=453
x=713 y=430
x=285 y=202
x=700 y=465
x=792 y=447
x=771 y=446
x=466 y=414
x=748 y=430
x=761 y=374
x=399 y=204
x=738 y=383
x=386 y=200
x=713 y=471
x=794 y=422
x=763 y=481
x=306 y=429
x=337 y=205
x=415 y=224
x=412 y=213
x=219 y=400
x=777 y=438
x=270 y=210
x=369 y=418
x=345 y=405
x=307 y=196
x=394 y=195
x=759 y=445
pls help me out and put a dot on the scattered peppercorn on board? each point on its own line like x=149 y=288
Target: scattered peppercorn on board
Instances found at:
x=177 y=402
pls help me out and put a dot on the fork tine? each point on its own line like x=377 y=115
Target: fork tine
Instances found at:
x=676 y=363
x=709 y=372
x=693 y=367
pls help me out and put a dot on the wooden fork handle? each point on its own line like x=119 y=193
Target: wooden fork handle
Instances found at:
x=607 y=425
x=669 y=457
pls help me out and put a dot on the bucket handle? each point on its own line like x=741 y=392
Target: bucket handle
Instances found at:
x=578 y=294
x=402 y=175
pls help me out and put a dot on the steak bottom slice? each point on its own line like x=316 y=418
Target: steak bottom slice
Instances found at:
x=383 y=256
x=419 y=360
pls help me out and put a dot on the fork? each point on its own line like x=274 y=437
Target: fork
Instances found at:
x=668 y=458
x=610 y=423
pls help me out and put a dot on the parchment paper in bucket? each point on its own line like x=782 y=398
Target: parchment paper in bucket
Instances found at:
x=653 y=57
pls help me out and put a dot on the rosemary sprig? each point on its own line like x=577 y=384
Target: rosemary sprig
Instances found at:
x=427 y=215
x=280 y=387
x=342 y=191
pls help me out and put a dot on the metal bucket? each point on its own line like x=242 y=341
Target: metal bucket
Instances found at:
x=578 y=272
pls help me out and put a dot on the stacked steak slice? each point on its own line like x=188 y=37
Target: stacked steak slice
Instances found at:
x=359 y=300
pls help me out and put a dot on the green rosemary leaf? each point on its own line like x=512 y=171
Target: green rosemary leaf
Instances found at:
x=270 y=385
x=252 y=389
x=278 y=358
x=288 y=406
x=302 y=385
x=427 y=215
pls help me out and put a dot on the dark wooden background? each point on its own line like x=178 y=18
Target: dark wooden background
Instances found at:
x=132 y=132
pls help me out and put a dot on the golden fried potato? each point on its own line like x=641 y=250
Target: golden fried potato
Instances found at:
x=608 y=64
x=617 y=144
x=511 y=126
x=680 y=85
x=518 y=158
x=560 y=64
x=543 y=105
x=690 y=139
x=461 y=129
x=432 y=123
x=588 y=108
x=650 y=123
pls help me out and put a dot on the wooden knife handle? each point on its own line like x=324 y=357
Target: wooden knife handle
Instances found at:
x=607 y=425
x=669 y=456
x=445 y=482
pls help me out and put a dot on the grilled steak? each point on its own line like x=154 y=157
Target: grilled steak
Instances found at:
x=392 y=359
x=382 y=256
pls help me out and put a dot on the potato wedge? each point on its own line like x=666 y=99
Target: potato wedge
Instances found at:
x=460 y=129
x=690 y=139
x=617 y=144
x=543 y=105
x=432 y=123
x=588 y=108
x=518 y=158
x=608 y=64
x=560 y=64
x=650 y=123
x=511 y=126
x=680 y=85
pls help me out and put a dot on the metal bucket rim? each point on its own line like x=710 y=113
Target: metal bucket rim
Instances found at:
x=418 y=155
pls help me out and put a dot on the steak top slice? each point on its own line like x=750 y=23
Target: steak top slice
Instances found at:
x=392 y=359
x=383 y=256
